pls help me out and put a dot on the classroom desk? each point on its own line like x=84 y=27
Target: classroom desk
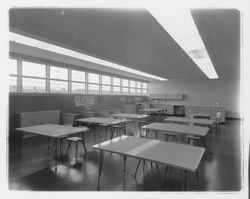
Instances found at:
x=199 y=115
x=134 y=117
x=103 y=120
x=181 y=156
x=166 y=128
x=51 y=131
x=152 y=110
x=190 y=120
x=100 y=120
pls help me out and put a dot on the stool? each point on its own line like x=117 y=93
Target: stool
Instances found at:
x=193 y=138
x=105 y=127
x=76 y=140
x=117 y=129
x=173 y=136
x=142 y=123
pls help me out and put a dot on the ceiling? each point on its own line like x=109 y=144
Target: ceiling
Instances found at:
x=133 y=38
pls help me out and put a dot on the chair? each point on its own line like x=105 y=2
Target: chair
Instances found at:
x=77 y=139
x=217 y=122
x=170 y=135
x=193 y=138
x=118 y=129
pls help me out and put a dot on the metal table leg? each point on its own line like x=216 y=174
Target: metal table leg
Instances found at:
x=100 y=169
x=20 y=143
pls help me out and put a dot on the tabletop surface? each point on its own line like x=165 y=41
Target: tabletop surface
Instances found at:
x=130 y=115
x=100 y=120
x=174 y=154
x=52 y=130
x=178 y=128
x=190 y=120
x=151 y=109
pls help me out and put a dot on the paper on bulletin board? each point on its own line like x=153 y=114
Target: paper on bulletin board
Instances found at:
x=84 y=100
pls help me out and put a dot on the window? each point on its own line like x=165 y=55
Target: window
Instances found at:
x=58 y=86
x=13 y=83
x=33 y=69
x=138 y=84
x=13 y=67
x=132 y=84
x=93 y=88
x=13 y=75
x=78 y=87
x=58 y=73
x=116 y=90
x=33 y=85
x=77 y=76
x=124 y=90
x=78 y=82
x=93 y=78
x=58 y=79
x=33 y=77
x=106 y=89
x=125 y=82
x=116 y=81
x=106 y=80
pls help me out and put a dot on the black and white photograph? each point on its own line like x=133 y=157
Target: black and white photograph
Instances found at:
x=145 y=98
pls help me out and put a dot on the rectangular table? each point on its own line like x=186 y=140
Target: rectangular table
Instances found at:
x=131 y=116
x=103 y=120
x=181 y=156
x=152 y=110
x=52 y=131
x=190 y=120
x=100 y=120
x=166 y=128
x=199 y=115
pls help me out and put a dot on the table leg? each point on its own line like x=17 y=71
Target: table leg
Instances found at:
x=164 y=175
x=137 y=168
x=20 y=143
x=187 y=181
x=56 y=140
x=100 y=169
x=156 y=134
x=124 y=163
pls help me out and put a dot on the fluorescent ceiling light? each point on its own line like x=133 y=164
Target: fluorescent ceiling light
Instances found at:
x=64 y=51
x=181 y=27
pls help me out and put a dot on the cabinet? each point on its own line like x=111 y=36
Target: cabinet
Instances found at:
x=209 y=110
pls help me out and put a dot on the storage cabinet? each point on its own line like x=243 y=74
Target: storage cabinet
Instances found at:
x=209 y=110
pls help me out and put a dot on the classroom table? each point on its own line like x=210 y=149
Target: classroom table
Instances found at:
x=51 y=131
x=199 y=115
x=152 y=110
x=166 y=128
x=131 y=116
x=177 y=155
x=103 y=120
x=190 y=120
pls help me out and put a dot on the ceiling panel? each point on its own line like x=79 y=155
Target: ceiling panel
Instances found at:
x=131 y=38
x=220 y=32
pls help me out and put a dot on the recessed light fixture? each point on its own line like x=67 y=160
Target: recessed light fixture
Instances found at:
x=181 y=27
x=64 y=51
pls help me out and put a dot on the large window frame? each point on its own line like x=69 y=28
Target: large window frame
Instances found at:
x=105 y=85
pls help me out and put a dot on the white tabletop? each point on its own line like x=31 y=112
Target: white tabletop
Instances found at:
x=101 y=120
x=189 y=120
x=178 y=128
x=52 y=130
x=174 y=154
x=130 y=115
x=152 y=109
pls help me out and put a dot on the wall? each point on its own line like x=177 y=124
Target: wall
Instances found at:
x=64 y=103
x=204 y=92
